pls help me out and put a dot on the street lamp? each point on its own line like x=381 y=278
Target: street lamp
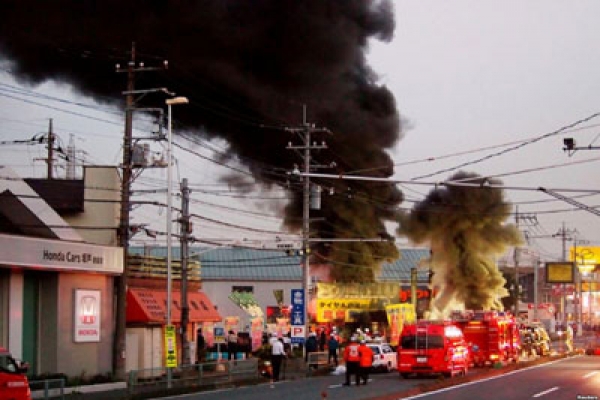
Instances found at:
x=170 y=102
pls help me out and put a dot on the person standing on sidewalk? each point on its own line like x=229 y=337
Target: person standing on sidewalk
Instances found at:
x=352 y=359
x=277 y=356
x=332 y=346
x=366 y=361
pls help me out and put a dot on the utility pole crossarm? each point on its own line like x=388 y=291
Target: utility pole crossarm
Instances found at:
x=570 y=201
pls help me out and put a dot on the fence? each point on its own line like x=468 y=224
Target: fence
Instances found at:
x=215 y=374
x=48 y=388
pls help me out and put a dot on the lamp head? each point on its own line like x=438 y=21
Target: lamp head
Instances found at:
x=177 y=100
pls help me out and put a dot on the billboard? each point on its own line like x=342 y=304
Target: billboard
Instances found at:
x=560 y=272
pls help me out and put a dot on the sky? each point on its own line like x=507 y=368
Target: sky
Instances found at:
x=481 y=86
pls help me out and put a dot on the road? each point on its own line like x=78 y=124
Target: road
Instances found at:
x=574 y=378
x=380 y=384
x=564 y=379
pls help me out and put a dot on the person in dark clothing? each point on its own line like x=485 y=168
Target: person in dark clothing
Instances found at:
x=200 y=346
x=311 y=344
x=232 y=345
x=322 y=340
x=333 y=345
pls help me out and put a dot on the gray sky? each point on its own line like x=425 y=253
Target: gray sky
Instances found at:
x=469 y=75
x=471 y=79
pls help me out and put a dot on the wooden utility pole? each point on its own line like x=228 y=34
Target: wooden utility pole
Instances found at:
x=186 y=229
x=50 y=161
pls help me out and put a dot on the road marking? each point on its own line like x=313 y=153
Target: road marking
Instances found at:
x=545 y=392
x=339 y=385
x=589 y=375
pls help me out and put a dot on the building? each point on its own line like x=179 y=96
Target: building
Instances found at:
x=58 y=260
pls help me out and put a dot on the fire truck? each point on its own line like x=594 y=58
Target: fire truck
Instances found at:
x=493 y=336
x=432 y=347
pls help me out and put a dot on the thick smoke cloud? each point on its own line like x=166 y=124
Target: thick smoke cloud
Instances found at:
x=243 y=65
x=466 y=228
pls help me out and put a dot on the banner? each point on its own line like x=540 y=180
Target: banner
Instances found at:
x=398 y=315
x=256 y=332
x=231 y=324
x=170 y=347
x=209 y=335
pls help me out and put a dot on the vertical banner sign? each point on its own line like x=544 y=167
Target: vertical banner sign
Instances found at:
x=256 y=331
x=297 y=318
x=170 y=347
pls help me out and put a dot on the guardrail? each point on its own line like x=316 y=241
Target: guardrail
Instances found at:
x=48 y=388
x=218 y=373
x=315 y=360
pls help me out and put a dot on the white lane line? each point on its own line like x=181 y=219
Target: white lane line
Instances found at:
x=545 y=392
x=339 y=385
x=589 y=375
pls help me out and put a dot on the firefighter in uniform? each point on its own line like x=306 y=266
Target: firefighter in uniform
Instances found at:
x=352 y=359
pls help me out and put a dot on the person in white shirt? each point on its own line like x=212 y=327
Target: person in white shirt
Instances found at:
x=277 y=355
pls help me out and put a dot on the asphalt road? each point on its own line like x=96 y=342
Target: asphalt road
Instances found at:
x=573 y=378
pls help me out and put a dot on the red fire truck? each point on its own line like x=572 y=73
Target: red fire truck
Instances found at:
x=432 y=347
x=493 y=336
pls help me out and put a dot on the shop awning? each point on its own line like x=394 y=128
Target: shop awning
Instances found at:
x=149 y=306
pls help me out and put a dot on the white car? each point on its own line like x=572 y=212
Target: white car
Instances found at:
x=384 y=357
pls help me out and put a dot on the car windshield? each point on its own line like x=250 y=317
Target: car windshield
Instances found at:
x=375 y=349
x=7 y=364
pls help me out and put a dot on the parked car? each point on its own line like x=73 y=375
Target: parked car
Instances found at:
x=384 y=357
x=13 y=381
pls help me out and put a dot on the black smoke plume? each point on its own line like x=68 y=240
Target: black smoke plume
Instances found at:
x=245 y=65
x=466 y=228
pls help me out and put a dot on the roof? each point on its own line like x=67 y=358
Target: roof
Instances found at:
x=244 y=264
x=148 y=305
x=400 y=268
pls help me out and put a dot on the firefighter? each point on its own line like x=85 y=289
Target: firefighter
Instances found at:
x=366 y=361
x=352 y=359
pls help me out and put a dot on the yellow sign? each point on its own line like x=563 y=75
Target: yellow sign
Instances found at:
x=559 y=272
x=329 y=310
x=398 y=315
x=586 y=257
x=170 y=347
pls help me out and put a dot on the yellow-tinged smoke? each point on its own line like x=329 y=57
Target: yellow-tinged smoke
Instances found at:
x=466 y=228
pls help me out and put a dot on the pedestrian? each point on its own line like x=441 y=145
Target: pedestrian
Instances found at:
x=311 y=345
x=277 y=355
x=232 y=345
x=200 y=346
x=333 y=344
x=352 y=359
x=322 y=340
x=366 y=361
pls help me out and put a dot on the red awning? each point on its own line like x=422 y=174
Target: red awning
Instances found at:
x=149 y=305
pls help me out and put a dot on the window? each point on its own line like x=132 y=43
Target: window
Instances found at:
x=243 y=289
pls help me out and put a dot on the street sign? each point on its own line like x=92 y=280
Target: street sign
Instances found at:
x=219 y=334
x=170 y=347
x=297 y=316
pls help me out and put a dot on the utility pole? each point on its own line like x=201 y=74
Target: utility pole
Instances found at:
x=50 y=161
x=516 y=258
x=186 y=229
x=565 y=235
x=123 y=232
x=305 y=131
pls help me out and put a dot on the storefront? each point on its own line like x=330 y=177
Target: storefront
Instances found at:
x=56 y=299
